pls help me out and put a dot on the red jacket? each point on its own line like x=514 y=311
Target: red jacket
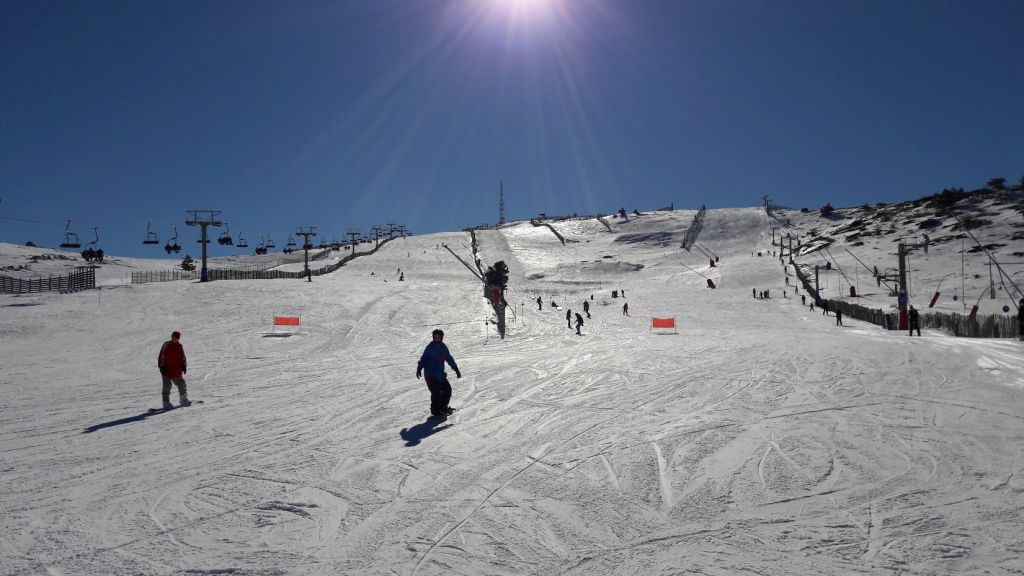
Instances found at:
x=171 y=360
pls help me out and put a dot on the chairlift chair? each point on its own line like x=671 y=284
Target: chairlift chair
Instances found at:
x=151 y=237
x=70 y=238
x=241 y=242
x=270 y=242
x=291 y=241
x=172 y=244
x=225 y=237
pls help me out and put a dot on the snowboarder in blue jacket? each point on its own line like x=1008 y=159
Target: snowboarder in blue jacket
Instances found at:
x=432 y=362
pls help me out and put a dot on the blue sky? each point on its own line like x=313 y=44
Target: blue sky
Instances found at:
x=347 y=114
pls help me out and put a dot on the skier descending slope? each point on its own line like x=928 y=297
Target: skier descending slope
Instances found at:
x=432 y=362
x=172 y=364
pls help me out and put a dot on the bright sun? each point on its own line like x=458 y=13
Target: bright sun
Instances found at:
x=525 y=10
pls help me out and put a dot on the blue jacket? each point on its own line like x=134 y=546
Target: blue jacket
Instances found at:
x=433 y=359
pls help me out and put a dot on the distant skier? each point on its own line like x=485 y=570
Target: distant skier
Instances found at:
x=173 y=365
x=754 y=291
x=432 y=361
x=579 y=323
x=568 y=317
x=540 y=303
x=586 y=308
x=803 y=299
x=915 y=321
x=625 y=309
x=824 y=307
x=839 y=316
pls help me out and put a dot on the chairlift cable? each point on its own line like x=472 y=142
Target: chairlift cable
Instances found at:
x=985 y=250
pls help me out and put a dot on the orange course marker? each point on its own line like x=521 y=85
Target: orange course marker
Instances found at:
x=663 y=322
x=286 y=320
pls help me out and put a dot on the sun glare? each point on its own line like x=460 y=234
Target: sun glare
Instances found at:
x=525 y=11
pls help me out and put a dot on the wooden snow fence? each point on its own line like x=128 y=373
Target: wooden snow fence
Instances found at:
x=83 y=279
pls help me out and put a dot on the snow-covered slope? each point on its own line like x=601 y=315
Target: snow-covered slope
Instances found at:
x=762 y=438
x=872 y=233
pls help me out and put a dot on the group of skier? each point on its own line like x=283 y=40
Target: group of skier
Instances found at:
x=586 y=310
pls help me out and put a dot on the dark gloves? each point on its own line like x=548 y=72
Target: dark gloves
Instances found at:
x=419 y=372
x=457 y=373
x=162 y=370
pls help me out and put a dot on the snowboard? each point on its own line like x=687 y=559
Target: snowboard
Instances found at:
x=194 y=402
x=451 y=412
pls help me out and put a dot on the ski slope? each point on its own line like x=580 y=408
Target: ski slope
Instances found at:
x=762 y=438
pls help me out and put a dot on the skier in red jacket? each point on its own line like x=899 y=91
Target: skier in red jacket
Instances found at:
x=172 y=365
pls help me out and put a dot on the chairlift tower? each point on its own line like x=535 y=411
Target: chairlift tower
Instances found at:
x=306 y=232
x=353 y=234
x=903 y=290
x=204 y=218
x=377 y=229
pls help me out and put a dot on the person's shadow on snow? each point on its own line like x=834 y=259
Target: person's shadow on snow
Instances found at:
x=414 y=435
x=121 y=421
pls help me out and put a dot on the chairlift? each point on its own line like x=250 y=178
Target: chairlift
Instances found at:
x=70 y=238
x=270 y=241
x=323 y=245
x=261 y=248
x=241 y=242
x=172 y=244
x=93 y=254
x=291 y=242
x=151 y=237
x=225 y=237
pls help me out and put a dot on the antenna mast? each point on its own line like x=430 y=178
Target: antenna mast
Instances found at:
x=501 y=203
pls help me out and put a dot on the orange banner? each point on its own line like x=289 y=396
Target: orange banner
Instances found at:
x=286 y=320
x=663 y=322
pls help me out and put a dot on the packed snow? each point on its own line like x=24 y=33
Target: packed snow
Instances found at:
x=760 y=438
